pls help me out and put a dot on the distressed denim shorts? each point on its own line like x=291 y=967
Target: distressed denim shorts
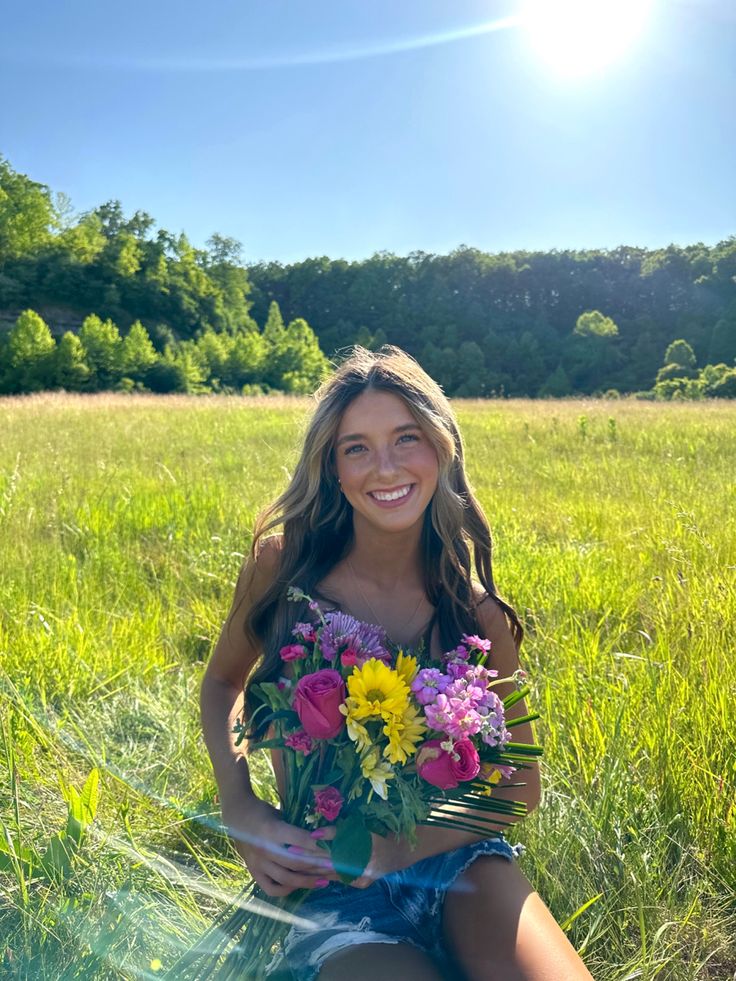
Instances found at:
x=402 y=907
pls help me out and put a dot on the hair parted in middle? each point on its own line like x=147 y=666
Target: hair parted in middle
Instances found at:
x=316 y=519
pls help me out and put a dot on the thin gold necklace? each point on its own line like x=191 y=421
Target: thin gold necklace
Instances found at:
x=370 y=607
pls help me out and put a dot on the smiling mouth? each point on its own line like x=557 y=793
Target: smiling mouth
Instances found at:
x=391 y=495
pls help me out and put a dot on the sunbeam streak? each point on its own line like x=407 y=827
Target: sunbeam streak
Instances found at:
x=180 y=875
x=342 y=53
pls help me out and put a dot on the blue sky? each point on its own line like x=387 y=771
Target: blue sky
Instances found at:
x=340 y=128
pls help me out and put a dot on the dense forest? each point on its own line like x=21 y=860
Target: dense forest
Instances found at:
x=104 y=300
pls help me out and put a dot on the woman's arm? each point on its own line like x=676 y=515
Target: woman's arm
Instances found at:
x=280 y=857
x=390 y=853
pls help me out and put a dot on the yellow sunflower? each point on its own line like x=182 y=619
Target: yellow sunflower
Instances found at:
x=376 y=691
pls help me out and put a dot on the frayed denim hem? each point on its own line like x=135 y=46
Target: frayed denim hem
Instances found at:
x=402 y=907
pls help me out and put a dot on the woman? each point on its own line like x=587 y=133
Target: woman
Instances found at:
x=379 y=521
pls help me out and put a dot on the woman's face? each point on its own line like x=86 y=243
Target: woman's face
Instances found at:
x=386 y=464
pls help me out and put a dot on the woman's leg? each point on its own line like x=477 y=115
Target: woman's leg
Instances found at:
x=366 y=962
x=497 y=927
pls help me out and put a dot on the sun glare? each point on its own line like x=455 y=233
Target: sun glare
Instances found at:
x=581 y=37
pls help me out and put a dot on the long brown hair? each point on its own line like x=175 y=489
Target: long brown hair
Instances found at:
x=317 y=519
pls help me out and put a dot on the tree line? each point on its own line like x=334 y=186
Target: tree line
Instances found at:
x=103 y=300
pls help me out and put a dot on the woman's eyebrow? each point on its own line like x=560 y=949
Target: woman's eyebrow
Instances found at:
x=399 y=429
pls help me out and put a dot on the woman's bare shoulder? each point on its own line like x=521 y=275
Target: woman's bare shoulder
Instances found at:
x=492 y=619
x=268 y=555
x=487 y=608
x=234 y=655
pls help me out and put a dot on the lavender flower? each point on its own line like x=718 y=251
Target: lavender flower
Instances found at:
x=455 y=716
x=342 y=631
x=305 y=631
x=429 y=683
x=473 y=640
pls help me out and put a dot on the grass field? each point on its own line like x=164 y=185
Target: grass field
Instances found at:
x=123 y=524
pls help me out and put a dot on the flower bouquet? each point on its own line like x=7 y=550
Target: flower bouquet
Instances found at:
x=374 y=740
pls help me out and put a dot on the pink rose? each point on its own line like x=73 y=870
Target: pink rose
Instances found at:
x=328 y=803
x=465 y=760
x=445 y=770
x=293 y=652
x=349 y=658
x=317 y=702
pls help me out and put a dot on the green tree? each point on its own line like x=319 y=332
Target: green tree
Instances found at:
x=246 y=360
x=471 y=371
x=71 y=372
x=138 y=353
x=30 y=354
x=679 y=362
x=103 y=351
x=557 y=385
x=27 y=215
x=301 y=363
x=84 y=241
x=680 y=352
x=725 y=387
x=723 y=340
x=679 y=388
x=214 y=350
x=274 y=337
x=593 y=323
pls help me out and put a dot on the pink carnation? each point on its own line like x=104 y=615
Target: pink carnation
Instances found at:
x=300 y=741
x=293 y=652
x=328 y=802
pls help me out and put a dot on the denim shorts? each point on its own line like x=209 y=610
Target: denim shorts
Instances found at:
x=402 y=907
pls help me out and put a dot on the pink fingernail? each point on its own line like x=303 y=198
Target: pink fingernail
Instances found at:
x=296 y=850
x=321 y=883
x=317 y=833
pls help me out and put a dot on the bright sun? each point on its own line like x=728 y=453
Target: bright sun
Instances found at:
x=579 y=37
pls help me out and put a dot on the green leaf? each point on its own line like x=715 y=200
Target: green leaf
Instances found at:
x=351 y=848
x=512 y=699
x=75 y=805
x=524 y=718
x=56 y=861
x=566 y=924
x=91 y=795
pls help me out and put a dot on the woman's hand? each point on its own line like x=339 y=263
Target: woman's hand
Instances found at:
x=279 y=856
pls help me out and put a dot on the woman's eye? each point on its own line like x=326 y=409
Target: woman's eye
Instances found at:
x=410 y=436
x=356 y=446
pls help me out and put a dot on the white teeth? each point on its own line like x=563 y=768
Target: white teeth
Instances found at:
x=393 y=496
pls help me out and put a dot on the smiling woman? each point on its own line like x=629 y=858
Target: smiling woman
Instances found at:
x=578 y=37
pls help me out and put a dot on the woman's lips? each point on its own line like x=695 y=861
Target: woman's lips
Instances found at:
x=395 y=503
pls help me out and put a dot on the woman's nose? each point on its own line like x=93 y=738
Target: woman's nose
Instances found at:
x=385 y=461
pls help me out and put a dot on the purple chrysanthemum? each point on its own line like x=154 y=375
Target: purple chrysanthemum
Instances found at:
x=342 y=631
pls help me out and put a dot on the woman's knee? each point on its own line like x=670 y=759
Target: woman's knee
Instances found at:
x=496 y=925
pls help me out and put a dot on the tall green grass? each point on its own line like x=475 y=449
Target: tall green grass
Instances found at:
x=123 y=523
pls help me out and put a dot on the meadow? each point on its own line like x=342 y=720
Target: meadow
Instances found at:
x=124 y=521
